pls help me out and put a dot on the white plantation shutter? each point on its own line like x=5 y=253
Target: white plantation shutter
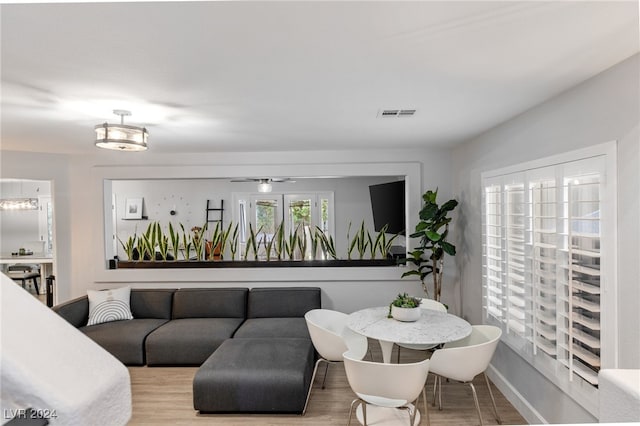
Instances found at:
x=545 y=263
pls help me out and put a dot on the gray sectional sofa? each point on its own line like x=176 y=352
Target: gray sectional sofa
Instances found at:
x=253 y=346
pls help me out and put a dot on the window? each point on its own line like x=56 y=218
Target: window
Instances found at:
x=265 y=212
x=549 y=265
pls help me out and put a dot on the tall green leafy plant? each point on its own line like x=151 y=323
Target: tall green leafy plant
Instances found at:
x=432 y=230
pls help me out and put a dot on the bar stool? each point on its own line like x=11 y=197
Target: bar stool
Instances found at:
x=23 y=273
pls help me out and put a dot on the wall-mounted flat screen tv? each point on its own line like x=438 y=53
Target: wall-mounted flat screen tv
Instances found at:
x=387 y=204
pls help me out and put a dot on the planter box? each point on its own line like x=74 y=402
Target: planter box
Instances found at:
x=187 y=264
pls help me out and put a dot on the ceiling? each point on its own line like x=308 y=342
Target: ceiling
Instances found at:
x=273 y=76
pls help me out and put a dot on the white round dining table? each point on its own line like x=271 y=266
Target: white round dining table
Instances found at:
x=433 y=327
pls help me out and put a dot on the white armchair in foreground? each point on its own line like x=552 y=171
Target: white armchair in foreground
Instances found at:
x=48 y=365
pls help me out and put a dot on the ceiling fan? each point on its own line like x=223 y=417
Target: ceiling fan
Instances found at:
x=264 y=184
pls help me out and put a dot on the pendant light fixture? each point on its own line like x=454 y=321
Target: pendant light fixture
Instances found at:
x=121 y=137
x=264 y=185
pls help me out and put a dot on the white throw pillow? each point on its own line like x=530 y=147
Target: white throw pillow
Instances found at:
x=109 y=305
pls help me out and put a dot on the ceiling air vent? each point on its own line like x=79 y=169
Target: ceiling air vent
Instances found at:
x=396 y=112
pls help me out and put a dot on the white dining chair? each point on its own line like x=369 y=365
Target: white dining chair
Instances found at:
x=386 y=392
x=464 y=359
x=424 y=304
x=331 y=338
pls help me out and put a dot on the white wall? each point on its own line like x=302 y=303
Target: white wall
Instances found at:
x=55 y=169
x=602 y=109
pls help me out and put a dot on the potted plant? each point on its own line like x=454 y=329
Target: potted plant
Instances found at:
x=405 y=308
x=433 y=229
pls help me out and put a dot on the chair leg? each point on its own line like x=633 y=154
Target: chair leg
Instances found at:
x=435 y=390
x=475 y=399
x=35 y=284
x=364 y=413
x=326 y=370
x=493 y=401
x=439 y=393
x=351 y=410
x=398 y=358
x=313 y=376
x=426 y=410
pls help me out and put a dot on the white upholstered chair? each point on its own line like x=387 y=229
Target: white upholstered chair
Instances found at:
x=424 y=304
x=386 y=392
x=464 y=359
x=331 y=338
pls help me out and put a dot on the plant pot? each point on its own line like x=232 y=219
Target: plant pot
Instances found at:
x=405 y=314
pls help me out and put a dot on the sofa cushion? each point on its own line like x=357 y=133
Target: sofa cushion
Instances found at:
x=282 y=302
x=255 y=375
x=273 y=327
x=124 y=339
x=210 y=303
x=151 y=303
x=188 y=341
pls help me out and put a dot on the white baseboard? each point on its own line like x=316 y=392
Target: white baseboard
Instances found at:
x=530 y=414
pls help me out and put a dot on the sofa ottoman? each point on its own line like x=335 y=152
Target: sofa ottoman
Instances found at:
x=255 y=375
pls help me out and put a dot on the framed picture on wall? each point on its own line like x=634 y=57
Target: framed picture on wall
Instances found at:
x=133 y=208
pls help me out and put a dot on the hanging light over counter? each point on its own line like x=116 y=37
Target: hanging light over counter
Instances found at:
x=121 y=137
x=18 y=204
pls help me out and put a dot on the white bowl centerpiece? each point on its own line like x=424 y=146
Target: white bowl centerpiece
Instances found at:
x=405 y=308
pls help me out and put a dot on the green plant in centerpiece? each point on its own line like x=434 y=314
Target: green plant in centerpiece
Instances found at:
x=129 y=245
x=404 y=301
x=428 y=258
